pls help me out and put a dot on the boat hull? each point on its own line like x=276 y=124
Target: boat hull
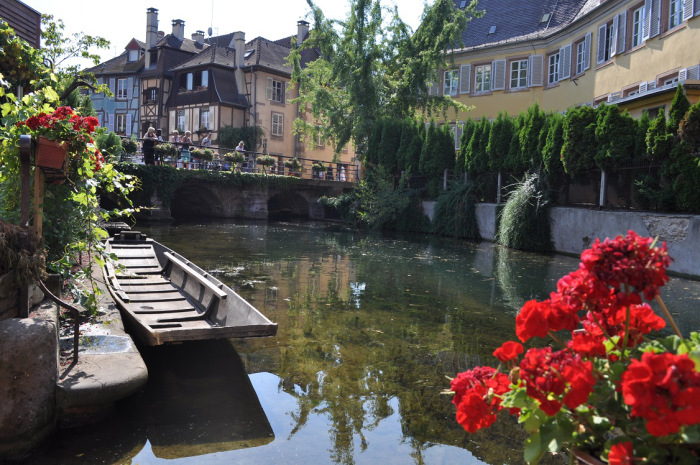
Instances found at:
x=165 y=298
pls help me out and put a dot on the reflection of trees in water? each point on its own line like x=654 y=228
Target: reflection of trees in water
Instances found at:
x=520 y=276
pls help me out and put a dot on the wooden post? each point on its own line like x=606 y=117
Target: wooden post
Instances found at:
x=25 y=150
x=38 y=199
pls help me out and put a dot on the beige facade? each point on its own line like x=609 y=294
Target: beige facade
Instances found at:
x=615 y=52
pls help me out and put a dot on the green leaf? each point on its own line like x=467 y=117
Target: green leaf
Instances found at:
x=533 y=451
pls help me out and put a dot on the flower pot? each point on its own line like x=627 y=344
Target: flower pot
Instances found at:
x=50 y=154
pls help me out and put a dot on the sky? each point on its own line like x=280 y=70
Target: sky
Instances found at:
x=122 y=20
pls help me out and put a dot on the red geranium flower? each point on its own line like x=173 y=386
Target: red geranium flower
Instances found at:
x=621 y=454
x=508 y=351
x=664 y=389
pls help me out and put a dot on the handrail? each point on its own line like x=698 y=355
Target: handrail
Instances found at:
x=335 y=171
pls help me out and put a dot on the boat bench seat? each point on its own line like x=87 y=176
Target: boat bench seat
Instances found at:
x=195 y=284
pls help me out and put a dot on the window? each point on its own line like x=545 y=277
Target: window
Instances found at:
x=150 y=95
x=121 y=88
x=607 y=52
x=482 y=76
x=637 y=26
x=675 y=13
x=277 y=124
x=553 y=69
x=120 y=127
x=190 y=81
x=204 y=80
x=451 y=82
x=204 y=119
x=671 y=80
x=580 y=57
x=274 y=90
x=180 y=121
x=518 y=74
x=133 y=55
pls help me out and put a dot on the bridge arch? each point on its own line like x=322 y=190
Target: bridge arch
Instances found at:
x=196 y=199
x=287 y=205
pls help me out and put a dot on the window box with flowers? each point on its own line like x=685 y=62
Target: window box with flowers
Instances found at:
x=64 y=140
x=611 y=391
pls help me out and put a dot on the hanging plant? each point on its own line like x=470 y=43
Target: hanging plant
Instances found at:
x=235 y=157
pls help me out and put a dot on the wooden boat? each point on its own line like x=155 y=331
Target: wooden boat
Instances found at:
x=165 y=298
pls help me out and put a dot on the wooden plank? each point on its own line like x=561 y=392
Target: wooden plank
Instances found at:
x=176 y=306
x=133 y=253
x=154 y=288
x=191 y=272
x=139 y=262
x=158 y=297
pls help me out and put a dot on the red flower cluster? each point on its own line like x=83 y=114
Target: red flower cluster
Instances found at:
x=66 y=125
x=628 y=261
x=554 y=378
x=611 y=280
x=664 y=389
x=478 y=397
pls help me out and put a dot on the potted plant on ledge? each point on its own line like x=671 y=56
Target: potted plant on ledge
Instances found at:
x=609 y=390
x=318 y=168
x=265 y=160
x=235 y=157
x=293 y=165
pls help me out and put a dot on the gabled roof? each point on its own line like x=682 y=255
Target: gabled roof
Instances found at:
x=222 y=56
x=117 y=65
x=268 y=54
x=506 y=21
x=185 y=45
x=135 y=44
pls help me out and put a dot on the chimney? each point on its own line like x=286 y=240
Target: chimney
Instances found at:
x=239 y=47
x=302 y=31
x=179 y=29
x=198 y=37
x=151 y=32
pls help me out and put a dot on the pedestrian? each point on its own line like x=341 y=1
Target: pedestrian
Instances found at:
x=206 y=142
x=149 y=142
x=185 y=152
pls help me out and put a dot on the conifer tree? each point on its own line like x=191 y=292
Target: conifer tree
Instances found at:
x=499 y=141
x=679 y=107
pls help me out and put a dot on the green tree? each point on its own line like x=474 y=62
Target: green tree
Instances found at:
x=499 y=141
x=659 y=139
x=408 y=131
x=530 y=151
x=679 y=107
x=58 y=51
x=512 y=161
x=689 y=128
x=371 y=68
x=427 y=157
x=389 y=145
x=551 y=152
x=615 y=136
x=640 y=142
x=579 y=140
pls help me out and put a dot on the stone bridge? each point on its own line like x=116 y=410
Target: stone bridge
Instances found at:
x=254 y=200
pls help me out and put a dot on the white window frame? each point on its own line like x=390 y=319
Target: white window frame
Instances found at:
x=274 y=91
x=132 y=56
x=277 y=126
x=190 y=81
x=120 y=123
x=518 y=74
x=580 y=57
x=122 y=90
x=180 y=120
x=637 y=27
x=675 y=13
x=204 y=118
x=553 y=68
x=450 y=82
x=205 y=79
x=482 y=78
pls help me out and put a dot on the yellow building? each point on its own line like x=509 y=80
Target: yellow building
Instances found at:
x=568 y=53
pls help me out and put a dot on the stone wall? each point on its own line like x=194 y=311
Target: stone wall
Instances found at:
x=574 y=229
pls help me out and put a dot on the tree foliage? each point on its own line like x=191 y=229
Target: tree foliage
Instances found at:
x=679 y=107
x=372 y=67
x=578 y=151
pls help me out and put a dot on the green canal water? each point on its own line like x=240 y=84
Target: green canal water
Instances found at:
x=370 y=328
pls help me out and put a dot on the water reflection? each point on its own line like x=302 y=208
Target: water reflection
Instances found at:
x=370 y=326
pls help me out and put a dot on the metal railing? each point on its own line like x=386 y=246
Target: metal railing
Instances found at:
x=342 y=172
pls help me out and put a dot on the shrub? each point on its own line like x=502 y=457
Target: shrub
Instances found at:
x=235 y=157
x=129 y=146
x=293 y=163
x=266 y=160
x=524 y=220
x=203 y=154
x=578 y=151
x=455 y=213
x=110 y=144
x=499 y=141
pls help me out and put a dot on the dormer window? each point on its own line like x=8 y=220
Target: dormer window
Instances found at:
x=492 y=30
x=133 y=55
x=197 y=80
x=248 y=53
x=545 y=17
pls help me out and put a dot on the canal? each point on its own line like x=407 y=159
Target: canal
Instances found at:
x=370 y=328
